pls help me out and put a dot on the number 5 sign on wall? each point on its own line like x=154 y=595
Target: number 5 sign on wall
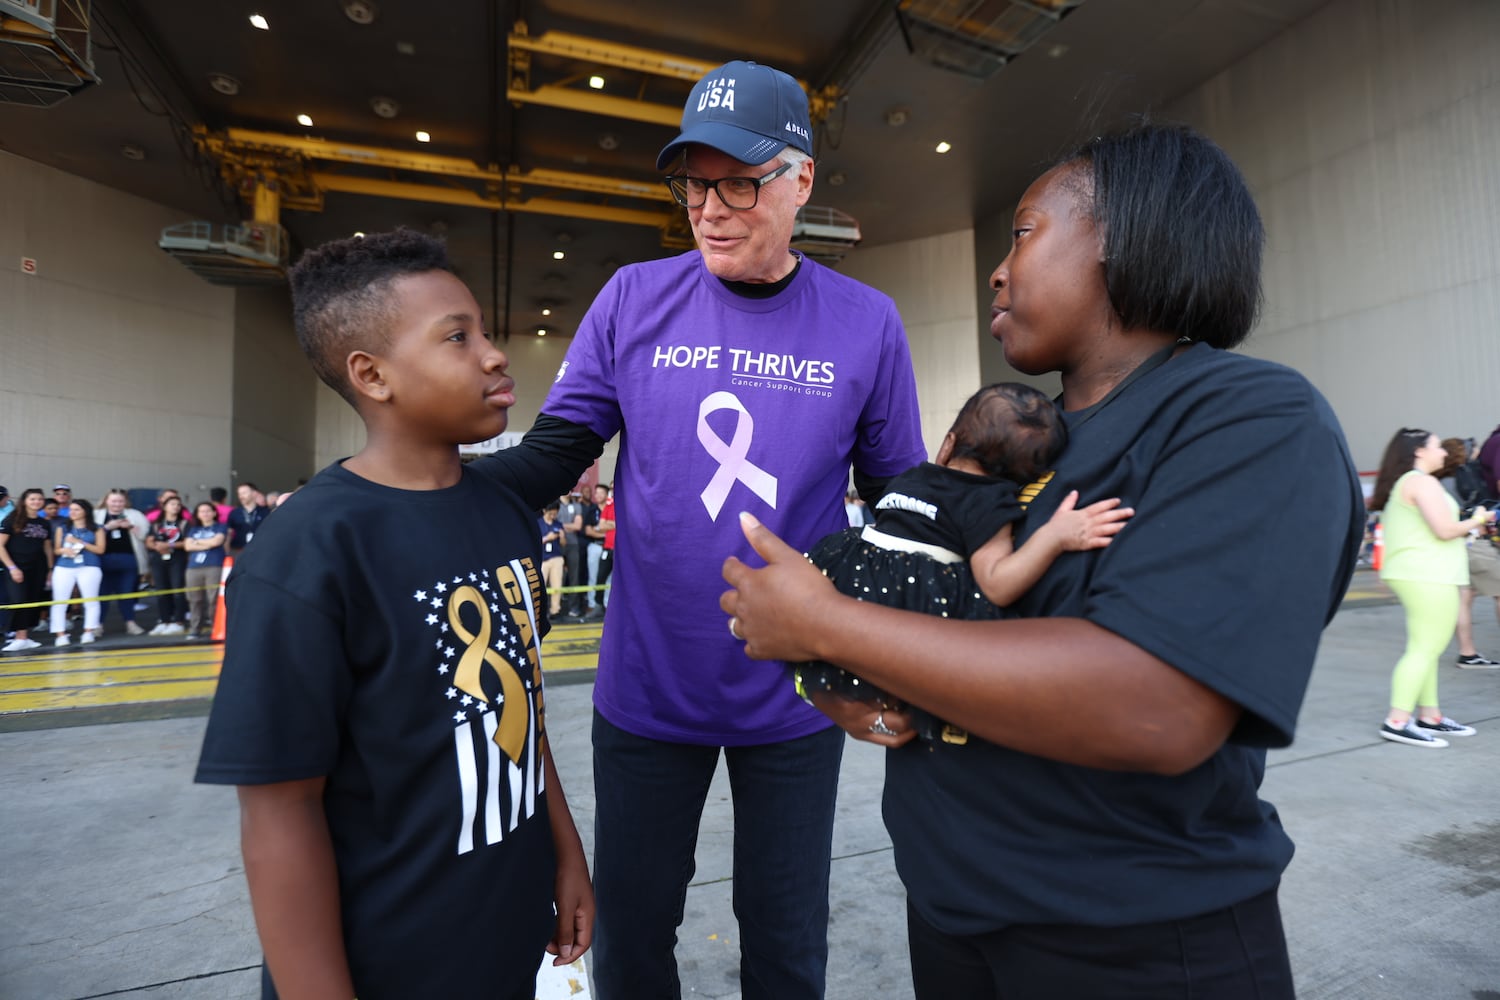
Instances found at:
x=28 y=265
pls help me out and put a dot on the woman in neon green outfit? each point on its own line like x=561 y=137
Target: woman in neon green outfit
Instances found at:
x=1424 y=565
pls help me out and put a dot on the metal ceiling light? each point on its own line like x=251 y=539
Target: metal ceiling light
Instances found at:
x=424 y=136
x=224 y=84
x=132 y=152
x=305 y=121
x=896 y=117
x=361 y=11
x=384 y=107
x=259 y=21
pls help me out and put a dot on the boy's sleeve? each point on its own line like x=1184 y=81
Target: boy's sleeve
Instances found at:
x=283 y=691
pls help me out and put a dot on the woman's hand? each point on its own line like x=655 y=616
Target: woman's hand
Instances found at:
x=867 y=721
x=778 y=611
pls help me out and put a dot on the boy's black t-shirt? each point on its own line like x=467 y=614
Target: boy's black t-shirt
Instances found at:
x=388 y=640
x=1248 y=519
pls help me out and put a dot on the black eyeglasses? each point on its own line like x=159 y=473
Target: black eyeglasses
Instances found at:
x=738 y=193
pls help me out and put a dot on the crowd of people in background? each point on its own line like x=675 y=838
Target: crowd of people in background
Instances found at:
x=86 y=558
x=82 y=556
x=578 y=551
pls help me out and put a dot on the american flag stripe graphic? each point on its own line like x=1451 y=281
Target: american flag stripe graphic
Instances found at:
x=522 y=783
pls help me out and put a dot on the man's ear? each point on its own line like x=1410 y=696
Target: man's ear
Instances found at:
x=805 y=183
x=367 y=376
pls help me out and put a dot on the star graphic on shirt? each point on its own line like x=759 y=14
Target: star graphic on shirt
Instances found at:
x=500 y=642
x=451 y=693
x=440 y=587
x=484 y=585
x=442 y=668
x=458 y=716
x=448 y=653
x=436 y=602
x=432 y=619
x=457 y=580
x=420 y=595
x=445 y=628
x=483 y=708
x=466 y=701
x=438 y=644
x=494 y=609
x=473 y=577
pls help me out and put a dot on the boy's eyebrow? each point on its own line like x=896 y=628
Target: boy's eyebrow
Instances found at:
x=454 y=318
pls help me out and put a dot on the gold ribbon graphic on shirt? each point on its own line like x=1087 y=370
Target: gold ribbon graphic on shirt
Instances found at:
x=510 y=733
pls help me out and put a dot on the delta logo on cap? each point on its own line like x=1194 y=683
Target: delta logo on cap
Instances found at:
x=744 y=110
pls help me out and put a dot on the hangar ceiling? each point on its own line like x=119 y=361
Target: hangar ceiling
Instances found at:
x=525 y=159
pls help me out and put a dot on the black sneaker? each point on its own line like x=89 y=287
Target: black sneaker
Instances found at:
x=1410 y=735
x=1446 y=727
x=1478 y=662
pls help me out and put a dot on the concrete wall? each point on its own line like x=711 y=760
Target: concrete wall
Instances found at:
x=932 y=282
x=275 y=393
x=1369 y=134
x=115 y=360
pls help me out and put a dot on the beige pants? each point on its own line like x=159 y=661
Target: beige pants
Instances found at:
x=552 y=576
x=1484 y=569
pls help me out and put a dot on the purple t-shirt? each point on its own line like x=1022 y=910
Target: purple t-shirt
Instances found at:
x=725 y=404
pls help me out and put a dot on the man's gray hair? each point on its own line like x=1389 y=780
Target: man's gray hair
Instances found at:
x=794 y=156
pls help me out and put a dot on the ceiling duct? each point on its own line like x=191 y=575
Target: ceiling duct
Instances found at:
x=976 y=37
x=254 y=253
x=46 y=52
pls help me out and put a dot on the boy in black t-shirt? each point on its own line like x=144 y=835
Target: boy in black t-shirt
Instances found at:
x=381 y=701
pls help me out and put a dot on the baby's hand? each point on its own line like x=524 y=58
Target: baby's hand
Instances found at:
x=1091 y=527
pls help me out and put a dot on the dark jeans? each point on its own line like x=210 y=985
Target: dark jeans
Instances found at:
x=1237 y=953
x=122 y=575
x=32 y=588
x=606 y=567
x=648 y=801
x=170 y=574
x=576 y=575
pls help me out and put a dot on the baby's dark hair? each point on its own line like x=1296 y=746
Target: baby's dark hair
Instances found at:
x=341 y=298
x=1012 y=430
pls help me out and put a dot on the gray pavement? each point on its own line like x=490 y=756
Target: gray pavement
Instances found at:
x=122 y=879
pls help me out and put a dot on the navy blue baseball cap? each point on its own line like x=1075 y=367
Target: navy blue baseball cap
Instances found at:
x=744 y=110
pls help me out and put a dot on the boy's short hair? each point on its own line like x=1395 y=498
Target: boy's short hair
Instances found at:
x=341 y=296
x=554 y=506
x=1012 y=430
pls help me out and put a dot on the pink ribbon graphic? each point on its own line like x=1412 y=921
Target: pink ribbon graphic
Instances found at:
x=733 y=463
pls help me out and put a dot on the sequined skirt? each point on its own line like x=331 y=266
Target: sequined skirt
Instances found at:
x=910 y=581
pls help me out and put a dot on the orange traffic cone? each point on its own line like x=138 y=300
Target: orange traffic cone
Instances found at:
x=220 y=622
x=1377 y=549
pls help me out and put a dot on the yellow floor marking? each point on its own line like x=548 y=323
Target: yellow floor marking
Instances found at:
x=82 y=677
x=120 y=694
x=44 y=681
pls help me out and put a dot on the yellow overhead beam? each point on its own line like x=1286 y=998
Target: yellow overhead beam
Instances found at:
x=596 y=103
x=379 y=188
x=238 y=141
x=603 y=53
x=592 y=50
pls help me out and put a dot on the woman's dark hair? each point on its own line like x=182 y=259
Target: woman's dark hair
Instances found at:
x=198 y=508
x=1399 y=459
x=1012 y=430
x=181 y=509
x=341 y=299
x=21 y=517
x=88 y=513
x=1458 y=454
x=1182 y=237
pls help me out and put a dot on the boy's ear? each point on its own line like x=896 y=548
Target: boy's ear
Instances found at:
x=367 y=376
x=945 y=450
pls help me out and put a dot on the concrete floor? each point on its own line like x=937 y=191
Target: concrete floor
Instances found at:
x=122 y=879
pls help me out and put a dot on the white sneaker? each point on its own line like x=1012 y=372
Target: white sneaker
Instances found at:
x=159 y=629
x=134 y=629
x=172 y=628
x=14 y=646
x=61 y=639
x=87 y=637
x=32 y=644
